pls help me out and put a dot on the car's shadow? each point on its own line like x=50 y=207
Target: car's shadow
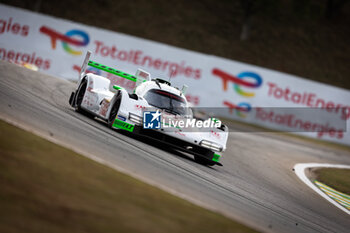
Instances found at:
x=157 y=144
x=150 y=141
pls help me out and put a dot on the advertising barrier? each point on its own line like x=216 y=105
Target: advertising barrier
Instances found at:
x=242 y=91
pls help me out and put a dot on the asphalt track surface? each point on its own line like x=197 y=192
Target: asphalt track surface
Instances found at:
x=256 y=185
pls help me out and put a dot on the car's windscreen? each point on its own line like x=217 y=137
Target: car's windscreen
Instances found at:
x=164 y=100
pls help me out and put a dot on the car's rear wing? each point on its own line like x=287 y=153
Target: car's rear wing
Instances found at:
x=139 y=77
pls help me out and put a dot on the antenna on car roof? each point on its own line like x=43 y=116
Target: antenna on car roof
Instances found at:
x=172 y=71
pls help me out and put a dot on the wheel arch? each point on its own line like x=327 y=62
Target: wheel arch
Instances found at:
x=123 y=94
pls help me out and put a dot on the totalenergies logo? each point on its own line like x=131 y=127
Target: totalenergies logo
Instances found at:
x=244 y=79
x=67 y=39
x=241 y=109
x=239 y=81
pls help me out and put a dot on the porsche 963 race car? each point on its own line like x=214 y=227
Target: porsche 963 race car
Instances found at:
x=154 y=109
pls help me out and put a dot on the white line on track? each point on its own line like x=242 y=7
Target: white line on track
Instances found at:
x=300 y=172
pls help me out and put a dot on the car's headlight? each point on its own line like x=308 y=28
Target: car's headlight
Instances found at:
x=211 y=145
x=135 y=118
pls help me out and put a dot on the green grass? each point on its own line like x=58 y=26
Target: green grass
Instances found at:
x=47 y=188
x=339 y=179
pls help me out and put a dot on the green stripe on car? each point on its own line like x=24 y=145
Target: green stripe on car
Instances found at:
x=112 y=71
x=123 y=125
x=117 y=87
x=216 y=157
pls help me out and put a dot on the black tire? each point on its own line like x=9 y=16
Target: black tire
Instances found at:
x=71 y=99
x=79 y=99
x=114 y=110
x=206 y=160
x=80 y=95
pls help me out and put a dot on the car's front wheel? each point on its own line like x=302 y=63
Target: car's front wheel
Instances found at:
x=79 y=99
x=114 y=110
x=205 y=159
x=80 y=95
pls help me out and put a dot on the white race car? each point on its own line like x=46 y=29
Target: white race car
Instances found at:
x=171 y=121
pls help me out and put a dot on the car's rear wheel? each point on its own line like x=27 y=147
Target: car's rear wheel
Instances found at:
x=114 y=110
x=79 y=98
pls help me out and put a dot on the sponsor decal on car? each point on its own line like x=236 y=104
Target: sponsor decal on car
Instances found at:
x=121 y=118
x=215 y=134
x=123 y=125
x=137 y=106
x=151 y=120
x=104 y=107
